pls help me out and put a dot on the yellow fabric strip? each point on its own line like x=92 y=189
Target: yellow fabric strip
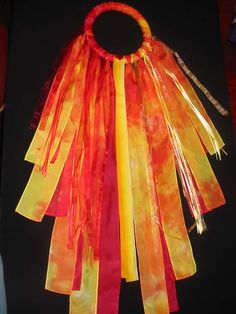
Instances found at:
x=201 y=169
x=40 y=137
x=189 y=140
x=171 y=210
x=192 y=147
x=34 y=153
x=190 y=103
x=62 y=259
x=128 y=253
x=84 y=301
x=39 y=189
x=165 y=178
x=147 y=231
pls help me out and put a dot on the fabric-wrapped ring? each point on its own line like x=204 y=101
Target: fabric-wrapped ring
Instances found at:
x=123 y=8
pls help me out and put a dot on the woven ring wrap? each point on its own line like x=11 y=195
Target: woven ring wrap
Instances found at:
x=123 y=8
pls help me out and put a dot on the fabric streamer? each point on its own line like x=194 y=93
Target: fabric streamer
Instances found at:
x=114 y=135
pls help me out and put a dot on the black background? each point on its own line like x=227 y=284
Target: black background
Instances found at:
x=39 y=31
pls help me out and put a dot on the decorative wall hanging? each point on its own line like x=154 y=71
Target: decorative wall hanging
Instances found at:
x=113 y=134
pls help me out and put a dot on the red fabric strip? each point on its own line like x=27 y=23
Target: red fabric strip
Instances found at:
x=78 y=265
x=53 y=81
x=109 y=266
x=60 y=202
x=170 y=277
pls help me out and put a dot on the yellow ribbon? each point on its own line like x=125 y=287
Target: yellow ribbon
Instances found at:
x=85 y=299
x=39 y=189
x=128 y=253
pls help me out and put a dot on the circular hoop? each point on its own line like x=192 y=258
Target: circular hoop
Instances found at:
x=123 y=8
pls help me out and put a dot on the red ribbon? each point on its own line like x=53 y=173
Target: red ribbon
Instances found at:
x=170 y=277
x=109 y=266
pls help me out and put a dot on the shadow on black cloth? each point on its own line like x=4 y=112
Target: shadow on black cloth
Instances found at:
x=40 y=30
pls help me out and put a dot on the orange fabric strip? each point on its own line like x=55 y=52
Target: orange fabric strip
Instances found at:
x=60 y=270
x=147 y=232
x=60 y=95
x=187 y=99
x=171 y=213
x=189 y=141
